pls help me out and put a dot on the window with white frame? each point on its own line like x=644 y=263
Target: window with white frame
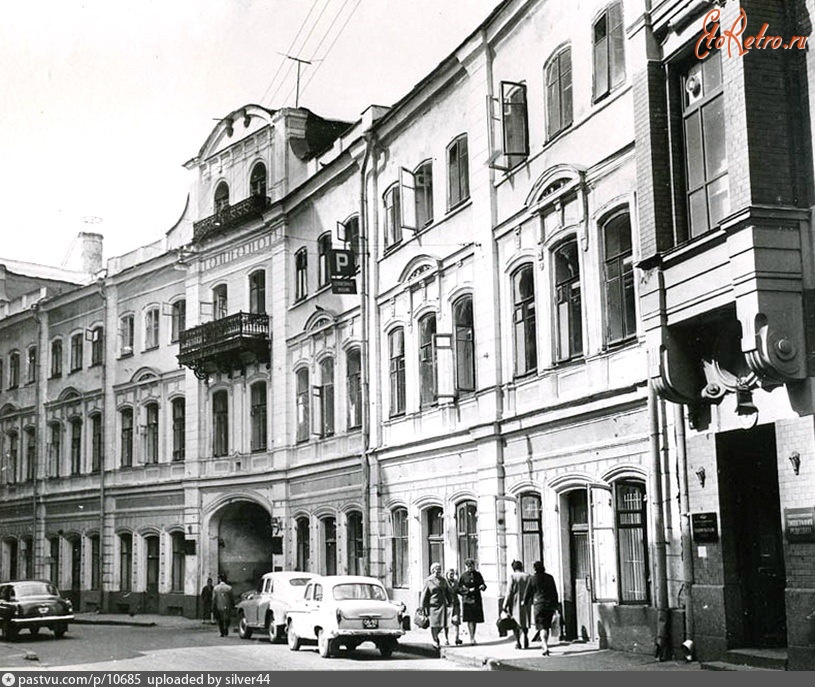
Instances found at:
x=458 y=172
x=126 y=423
x=300 y=274
x=327 y=397
x=323 y=247
x=96 y=442
x=467 y=532
x=515 y=122
x=76 y=446
x=220 y=305
x=220 y=423
x=258 y=416
x=97 y=345
x=179 y=406
x=423 y=177
x=178 y=319
x=621 y=322
x=568 y=308
x=354 y=388
x=400 y=553
x=151 y=434
x=302 y=404
x=56 y=358
x=126 y=335
x=464 y=343
x=523 y=321
x=151 y=329
x=559 y=92
x=608 y=40
x=393 y=216
x=257 y=292
x=352 y=238
x=531 y=530
x=427 y=360
x=434 y=526
x=396 y=360
x=76 y=352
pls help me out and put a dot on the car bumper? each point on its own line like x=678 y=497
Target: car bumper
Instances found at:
x=371 y=634
x=47 y=620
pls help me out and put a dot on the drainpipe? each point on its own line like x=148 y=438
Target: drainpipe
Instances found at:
x=100 y=283
x=40 y=435
x=663 y=644
x=684 y=509
x=370 y=142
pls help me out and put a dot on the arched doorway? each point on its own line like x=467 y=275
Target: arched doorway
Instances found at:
x=242 y=533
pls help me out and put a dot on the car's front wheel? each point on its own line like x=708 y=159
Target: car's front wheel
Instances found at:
x=60 y=630
x=293 y=639
x=325 y=646
x=244 y=631
x=277 y=633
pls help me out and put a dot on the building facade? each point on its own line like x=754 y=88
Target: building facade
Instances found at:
x=579 y=335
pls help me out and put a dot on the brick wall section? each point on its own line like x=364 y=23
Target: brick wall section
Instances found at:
x=653 y=168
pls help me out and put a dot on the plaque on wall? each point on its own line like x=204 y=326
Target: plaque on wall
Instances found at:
x=799 y=524
x=705 y=528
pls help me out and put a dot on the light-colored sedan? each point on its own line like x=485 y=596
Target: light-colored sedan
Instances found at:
x=345 y=610
x=266 y=608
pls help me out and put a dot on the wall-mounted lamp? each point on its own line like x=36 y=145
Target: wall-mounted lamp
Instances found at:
x=700 y=475
x=795 y=461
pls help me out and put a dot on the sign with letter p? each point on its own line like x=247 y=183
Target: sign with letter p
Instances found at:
x=341 y=263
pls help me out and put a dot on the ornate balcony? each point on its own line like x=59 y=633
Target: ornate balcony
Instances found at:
x=230 y=217
x=224 y=345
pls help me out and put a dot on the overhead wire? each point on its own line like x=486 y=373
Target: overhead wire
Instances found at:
x=288 y=50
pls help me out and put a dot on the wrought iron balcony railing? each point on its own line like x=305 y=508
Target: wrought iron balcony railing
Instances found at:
x=230 y=217
x=226 y=344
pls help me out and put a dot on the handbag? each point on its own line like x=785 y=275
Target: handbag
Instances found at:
x=506 y=624
x=420 y=619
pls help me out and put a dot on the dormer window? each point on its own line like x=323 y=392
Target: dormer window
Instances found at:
x=221 y=197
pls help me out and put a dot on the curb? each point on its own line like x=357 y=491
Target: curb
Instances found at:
x=132 y=623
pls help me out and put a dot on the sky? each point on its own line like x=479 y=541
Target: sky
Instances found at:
x=103 y=101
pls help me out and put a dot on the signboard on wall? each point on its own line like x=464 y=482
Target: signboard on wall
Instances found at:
x=799 y=524
x=705 y=528
x=341 y=269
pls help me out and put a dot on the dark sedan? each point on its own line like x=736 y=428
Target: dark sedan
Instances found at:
x=30 y=605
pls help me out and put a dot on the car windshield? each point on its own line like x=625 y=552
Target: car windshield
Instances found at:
x=23 y=589
x=359 y=590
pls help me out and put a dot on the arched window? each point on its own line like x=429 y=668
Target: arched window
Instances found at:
x=302 y=404
x=14 y=370
x=559 y=92
x=356 y=543
x=257 y=292
x=467 y=532
x=32 y=365
x=329 y=527
x=220 y=306
x=257 y=180
x=465 y=343
x=524 y=327
x=400 y=550
x=126 y=416
x=300 y=274
x=327 y=397
x=125 y=561
x=303 y=544
x=179 y=428
x=569 y=321
x=632 y=543
x=396 y=360
x=621 y=322
x=96 y=442
x=220 y=423
x=258 y=416
x=151 y=438
x=531 y=530
x=56 y=358
x=178 y=567
x=354 y=384
x=152 y=545
x=434 y=524
x=221 y=200
x=323 y=246
x=76 y=446
x=427 y=360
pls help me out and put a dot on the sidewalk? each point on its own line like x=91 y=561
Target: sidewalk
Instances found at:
x=491 y=652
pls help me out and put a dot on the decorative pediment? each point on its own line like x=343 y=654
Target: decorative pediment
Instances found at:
x=144 y=374
x=419 y=266
x=234 y=127
x=555 y=182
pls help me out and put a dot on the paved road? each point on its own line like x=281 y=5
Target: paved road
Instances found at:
x=105 y=647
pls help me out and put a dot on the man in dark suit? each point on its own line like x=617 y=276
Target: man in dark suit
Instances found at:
x=223 y=604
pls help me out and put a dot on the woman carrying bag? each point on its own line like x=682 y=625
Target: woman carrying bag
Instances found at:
x=437 y=597
x=470 y=586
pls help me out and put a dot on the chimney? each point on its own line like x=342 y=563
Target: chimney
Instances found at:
x=91 y=247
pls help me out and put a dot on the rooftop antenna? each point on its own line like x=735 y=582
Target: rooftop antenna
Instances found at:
x=299 y=62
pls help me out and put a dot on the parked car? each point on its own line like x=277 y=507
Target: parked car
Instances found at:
x=31 y=605
x=266 y=608
x=345 y=610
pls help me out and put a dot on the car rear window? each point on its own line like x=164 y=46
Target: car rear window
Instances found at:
x=299 y=581
x=359 y=590
x=24 y=589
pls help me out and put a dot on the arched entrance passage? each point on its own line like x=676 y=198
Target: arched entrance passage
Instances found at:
x=243 y=531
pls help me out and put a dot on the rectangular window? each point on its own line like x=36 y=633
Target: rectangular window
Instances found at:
x=423 y=177
x=559 y=92
x=467 y=531
x=400 y=548
x=524 y=322
x=178 y=571
x=458 y=172
x=351 y=228
x=258 y=416
x=300 y=274
x=631 y=542
x=32 y=364
x=393 y=216
x=323 y=247
x=435 y=536
x=356 y=544
x=327 y=396
x=126 y=416
x=76 y=352
x=179 y=428
x=396 y=347
x=151 y=440
x=257 y=292
x=568 y=321
x=31 y=453
x=220 y=305
x=354 y=380
x=609 y=51
x=97 y=346
x=76 y=447
x=151 y=329
x=96 y=443
x=125 y=561
x=465 y=344
x=96 y=552
x=619 y=284
x=54 y=449
x=302 y=402
x=220 y=423
x=427 y=361
x=53 y=566
x=56 y=358
x=531 y=530
x=330 y=546
x=178 y=319
x=303 y=544
x=12 y=455
x=14 y=370
x=516 y=125
x=126 y=333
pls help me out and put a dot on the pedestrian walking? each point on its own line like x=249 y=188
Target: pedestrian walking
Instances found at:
x=437 y=598
x=206 y=601
x=542 y=594
x=223 y=604
x=455 y=609
x=470 y=586
x=515 y=603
